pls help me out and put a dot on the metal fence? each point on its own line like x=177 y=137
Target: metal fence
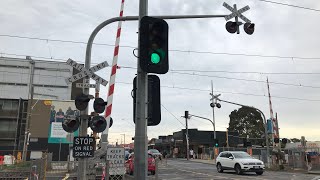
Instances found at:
x=303 y=158
x=12 y=166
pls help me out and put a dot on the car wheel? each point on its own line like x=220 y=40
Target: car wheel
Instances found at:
x=259 y=173
x=219 y=168
x=237 y=168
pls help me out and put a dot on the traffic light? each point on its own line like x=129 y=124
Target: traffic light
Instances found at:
x=276 y=140
x=231 y=27
x=153 y=45
x=98 y=124
x=186 y=114
x=216 y=142
x=249 y=28
x=99 y=105
x=154 y=103
x=71 y=124
x=82 y=101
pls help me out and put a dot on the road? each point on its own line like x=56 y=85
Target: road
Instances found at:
x=182 y=169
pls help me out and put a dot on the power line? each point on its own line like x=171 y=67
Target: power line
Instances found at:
x=250 y=80
x=290 y=5
x=244 y=72
x=226 y=92
x=239 y=79
x=201 y=75
x=173 y=50
x=173 y=115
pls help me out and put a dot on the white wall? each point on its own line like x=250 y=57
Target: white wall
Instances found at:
x=15 y=77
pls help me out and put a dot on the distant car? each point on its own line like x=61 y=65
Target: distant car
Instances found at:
x=130 y=164
x=155 y=153
x=240 y=162
x=126 y=155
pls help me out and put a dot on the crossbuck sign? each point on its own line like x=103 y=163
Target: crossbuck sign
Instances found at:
x=236 y=12
x=87 y=72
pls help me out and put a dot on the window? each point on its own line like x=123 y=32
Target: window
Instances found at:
x=242 y=155
x=224 y=155
x=229 y=155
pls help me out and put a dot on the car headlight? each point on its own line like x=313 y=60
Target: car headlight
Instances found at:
x=244 y=163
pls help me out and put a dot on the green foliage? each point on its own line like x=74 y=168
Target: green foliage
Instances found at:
x=247 y=121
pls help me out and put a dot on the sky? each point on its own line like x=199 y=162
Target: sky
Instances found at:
x=284 y=48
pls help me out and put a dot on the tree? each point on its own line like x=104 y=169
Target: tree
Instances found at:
x=247 y=122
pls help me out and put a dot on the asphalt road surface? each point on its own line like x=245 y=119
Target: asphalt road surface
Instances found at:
x=182 y=169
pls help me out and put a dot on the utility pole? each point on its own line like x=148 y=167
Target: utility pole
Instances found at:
x=140 y=138
x=227 y=134
x=186 y=115
x=213 y=104
x=30 y=99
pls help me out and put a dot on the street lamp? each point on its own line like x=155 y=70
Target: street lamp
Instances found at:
x=264 y=121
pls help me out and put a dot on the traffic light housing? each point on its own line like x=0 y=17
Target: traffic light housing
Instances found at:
x=98 y=124
x=231 y=27
x=99 y=105
x=186 y=114
x=249 y=28
x=154 y=102
x=71 y=124
x=216 y=142
x=153 y=45
x=82 y=101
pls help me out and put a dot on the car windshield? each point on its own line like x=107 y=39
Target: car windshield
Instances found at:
x=242 y=155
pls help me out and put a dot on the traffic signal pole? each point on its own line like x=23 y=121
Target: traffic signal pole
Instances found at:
x=141 y=123
x=140 y=138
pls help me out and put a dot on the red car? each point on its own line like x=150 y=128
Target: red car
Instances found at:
x=130 y=164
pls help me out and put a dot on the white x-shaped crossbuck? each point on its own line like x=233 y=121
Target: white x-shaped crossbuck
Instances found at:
x=236 y=12
x=87 y=72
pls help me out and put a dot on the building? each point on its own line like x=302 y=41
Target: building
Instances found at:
x=199 y=141
x=20 y=79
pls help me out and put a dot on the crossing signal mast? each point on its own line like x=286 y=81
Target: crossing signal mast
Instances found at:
x=233 y=26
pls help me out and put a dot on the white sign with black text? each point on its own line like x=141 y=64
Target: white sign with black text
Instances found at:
x=116 y=158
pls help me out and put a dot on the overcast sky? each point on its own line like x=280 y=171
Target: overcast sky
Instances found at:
x=197 y=45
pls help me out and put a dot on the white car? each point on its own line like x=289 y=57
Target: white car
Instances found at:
x=239 y=161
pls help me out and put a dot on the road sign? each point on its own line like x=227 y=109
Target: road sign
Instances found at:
x=87 y=72
x=236 y=12
x=83 y=147
x=116 y=160
x=81 y=85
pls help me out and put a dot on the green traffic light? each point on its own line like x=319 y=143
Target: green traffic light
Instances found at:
x=155 y=58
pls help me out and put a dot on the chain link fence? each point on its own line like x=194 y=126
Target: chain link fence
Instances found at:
x=12 y=166
x=303 y=158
